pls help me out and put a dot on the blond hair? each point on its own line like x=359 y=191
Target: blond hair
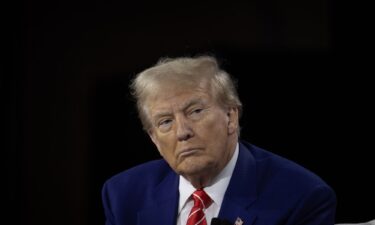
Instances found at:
x=184 y=72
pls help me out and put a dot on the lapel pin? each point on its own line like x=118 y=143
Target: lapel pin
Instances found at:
x=238 y=221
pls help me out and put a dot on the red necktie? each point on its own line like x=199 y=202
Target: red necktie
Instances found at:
x=201 y=202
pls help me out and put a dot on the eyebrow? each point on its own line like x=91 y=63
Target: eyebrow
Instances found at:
x=192 y=102
x=185 y=106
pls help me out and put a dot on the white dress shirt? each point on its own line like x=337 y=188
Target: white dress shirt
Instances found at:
x=216 y=192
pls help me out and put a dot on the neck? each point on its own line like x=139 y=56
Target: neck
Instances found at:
x=202 y=180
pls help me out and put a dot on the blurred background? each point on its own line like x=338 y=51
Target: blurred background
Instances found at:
x=70 y=123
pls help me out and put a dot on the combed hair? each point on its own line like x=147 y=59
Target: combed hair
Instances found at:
x=187 y=72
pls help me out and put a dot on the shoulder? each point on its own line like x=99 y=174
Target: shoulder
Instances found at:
x=137 y=184
x=277 y=174
x=126 y=193
x=145 y=175
x=275 y=166
x=293 y=191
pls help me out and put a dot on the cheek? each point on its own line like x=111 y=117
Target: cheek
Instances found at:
x=166 y=146
x=165 y=141
x=216 y=126
x=215 y=133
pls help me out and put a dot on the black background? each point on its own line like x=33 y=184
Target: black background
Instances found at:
x=70 y=123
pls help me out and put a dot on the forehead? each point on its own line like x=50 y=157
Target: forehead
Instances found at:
x=177 y=99
x=167 y=88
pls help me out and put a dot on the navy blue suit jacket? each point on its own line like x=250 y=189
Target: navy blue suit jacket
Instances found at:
x=265 y=189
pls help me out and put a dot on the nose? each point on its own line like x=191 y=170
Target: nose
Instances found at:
x=184 y=130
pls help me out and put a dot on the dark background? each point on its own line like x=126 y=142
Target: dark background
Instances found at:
x=70 y=123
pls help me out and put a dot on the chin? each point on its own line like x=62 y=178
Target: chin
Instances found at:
x=194 y=167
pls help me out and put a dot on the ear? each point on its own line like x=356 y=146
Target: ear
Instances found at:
x=154 y=139
x=232 y=114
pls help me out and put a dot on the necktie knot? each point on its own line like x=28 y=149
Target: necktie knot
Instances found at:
x=201 y=199
x=201 y=202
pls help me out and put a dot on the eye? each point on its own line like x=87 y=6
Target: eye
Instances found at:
x=164 y=122
x=165 y=125
x=196 y=114
x=196 y=111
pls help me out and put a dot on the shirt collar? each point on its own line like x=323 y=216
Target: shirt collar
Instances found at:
x=216 y=190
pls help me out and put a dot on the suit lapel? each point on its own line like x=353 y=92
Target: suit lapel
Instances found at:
x=241 y=191
x=240 y=195
x=231 y=211
x=163 y=208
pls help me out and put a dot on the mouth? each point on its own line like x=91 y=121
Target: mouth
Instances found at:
x=188 y=151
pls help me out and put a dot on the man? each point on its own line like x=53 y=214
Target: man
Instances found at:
x=190 y=109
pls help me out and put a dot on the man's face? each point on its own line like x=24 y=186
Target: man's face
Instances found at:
x=192 y=132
